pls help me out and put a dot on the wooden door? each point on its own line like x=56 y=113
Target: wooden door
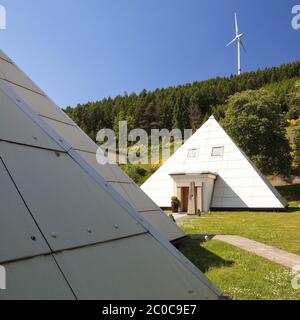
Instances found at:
x=184 y=199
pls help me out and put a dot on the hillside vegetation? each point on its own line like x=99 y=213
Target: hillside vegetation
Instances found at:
x=185 y=106
x=263 y=100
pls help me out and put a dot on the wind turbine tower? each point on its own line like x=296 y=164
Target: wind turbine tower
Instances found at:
x=238 y=40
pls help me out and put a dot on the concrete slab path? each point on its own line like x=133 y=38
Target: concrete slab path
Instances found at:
x=279 y=256
x=179 y=217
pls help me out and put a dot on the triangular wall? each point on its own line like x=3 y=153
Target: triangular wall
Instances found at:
x=65 y=233
x=62 y=125
x=239 y=183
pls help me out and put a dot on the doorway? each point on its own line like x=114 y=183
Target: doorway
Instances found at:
x=184 y=199
x=194 y=191
x=191 y=201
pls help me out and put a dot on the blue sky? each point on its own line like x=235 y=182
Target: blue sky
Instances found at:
x=85 y=50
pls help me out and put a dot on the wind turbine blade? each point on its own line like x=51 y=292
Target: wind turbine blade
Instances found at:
x=236 y=25
x=242 y=44
x=231 y=42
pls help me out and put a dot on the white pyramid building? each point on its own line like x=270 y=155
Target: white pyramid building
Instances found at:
x=210 y=172
x=65 y=232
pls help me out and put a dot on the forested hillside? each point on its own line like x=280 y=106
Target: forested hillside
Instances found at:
x=185 y=106
x=261 y=105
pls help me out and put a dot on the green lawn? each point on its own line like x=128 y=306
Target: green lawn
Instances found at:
x=281 y=230
x=240 y=274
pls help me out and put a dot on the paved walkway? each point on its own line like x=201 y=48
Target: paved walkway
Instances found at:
x=179 y=217
x=289 y=260
x=282 y=257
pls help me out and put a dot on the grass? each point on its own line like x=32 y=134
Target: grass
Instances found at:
x=239 y=274
x=281 y=230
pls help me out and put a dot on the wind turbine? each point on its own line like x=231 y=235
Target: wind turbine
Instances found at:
x=238 y=39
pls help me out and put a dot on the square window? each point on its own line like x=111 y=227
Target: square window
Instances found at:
x=193 y=153
x=217 y=152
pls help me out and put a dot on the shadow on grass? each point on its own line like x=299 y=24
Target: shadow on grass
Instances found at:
x=291 y=192
x=293 y=210
x=204 y=259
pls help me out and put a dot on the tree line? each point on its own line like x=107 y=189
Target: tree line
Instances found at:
x=188 y=106
x=185 y=106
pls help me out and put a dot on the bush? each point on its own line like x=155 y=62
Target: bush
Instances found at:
x=254 y=121
x=297 y=146
x=175 y=199
x=294 y=122
x=138 y=174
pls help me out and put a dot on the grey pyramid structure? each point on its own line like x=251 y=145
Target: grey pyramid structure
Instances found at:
x=65 y=231
x=59 y=123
